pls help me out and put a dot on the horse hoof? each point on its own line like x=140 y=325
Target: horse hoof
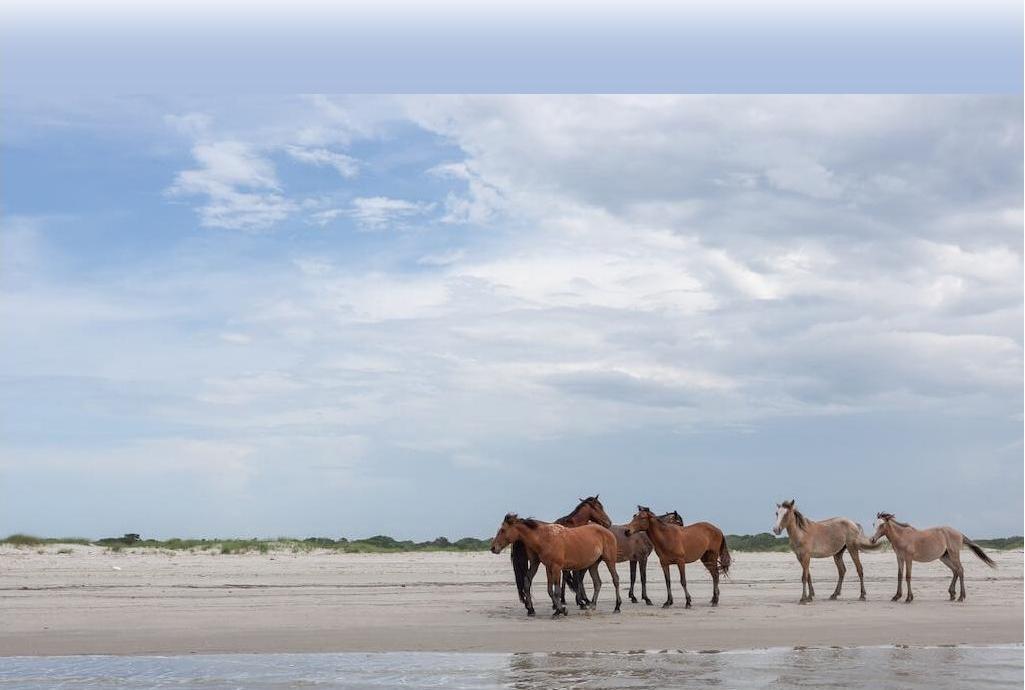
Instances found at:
x=667 y=604
x=714 y=603
x=862 y=598
x=648 y=602
x=616 y=610
x=834 y=597
x=633 y=599
x=687 y=605
x=530 y=612
x=895 y=597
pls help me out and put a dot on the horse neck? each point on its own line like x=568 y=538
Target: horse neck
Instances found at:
x=657 y=531
x=795 y=532
x=580 y=517
x=528 y=536
x=899 y=533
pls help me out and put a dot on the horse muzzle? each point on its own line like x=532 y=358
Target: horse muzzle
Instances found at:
x=627 y=532
x=776 y=531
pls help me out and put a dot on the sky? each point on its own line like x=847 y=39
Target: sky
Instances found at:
x=328 y=315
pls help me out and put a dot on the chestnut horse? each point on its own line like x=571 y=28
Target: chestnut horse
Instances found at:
x=562 y=548
x=636 y=547
x=681 y=545
x=525 y=563
x=924 y=545
x=821 y=539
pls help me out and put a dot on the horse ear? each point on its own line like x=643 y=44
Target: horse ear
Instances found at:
x=596 y=497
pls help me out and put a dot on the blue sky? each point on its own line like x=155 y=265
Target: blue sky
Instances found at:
x=319 y=315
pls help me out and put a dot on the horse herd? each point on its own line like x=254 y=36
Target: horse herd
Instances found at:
x=584 y=539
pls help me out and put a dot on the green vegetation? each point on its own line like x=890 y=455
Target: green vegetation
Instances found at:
x=1002 y=543
x=757 y=542
x=29 y=540
x=763 y=542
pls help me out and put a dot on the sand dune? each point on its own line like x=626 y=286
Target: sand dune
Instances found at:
x=92 y=601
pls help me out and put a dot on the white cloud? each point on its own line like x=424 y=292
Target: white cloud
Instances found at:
x=347 y=166
x=241 y=187
x=378 y=212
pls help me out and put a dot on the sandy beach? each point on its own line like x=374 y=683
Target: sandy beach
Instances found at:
x=92 y=601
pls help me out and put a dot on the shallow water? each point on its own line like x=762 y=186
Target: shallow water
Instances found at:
x=859 y=667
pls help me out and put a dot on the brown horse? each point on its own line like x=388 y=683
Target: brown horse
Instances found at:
x=810 y=539
x=681 y=545
x=636 y=547
x=563 y=548
x=924 y=545
x=525 y=563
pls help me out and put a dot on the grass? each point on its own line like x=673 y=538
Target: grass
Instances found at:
x=763 y=542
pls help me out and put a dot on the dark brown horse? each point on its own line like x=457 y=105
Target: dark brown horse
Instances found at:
x=636 y=547
x=561 y=549
x=681 y=545
x=525 y=562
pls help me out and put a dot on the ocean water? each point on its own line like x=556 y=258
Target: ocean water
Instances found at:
x=858 y=667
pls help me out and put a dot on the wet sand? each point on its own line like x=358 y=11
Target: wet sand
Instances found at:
x=92 y=601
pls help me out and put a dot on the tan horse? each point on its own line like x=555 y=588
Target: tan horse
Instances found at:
x=563 y=548
x=810 y=539
x=924 y=545
x=636 y=547
x=681 y=545
x=525 y=563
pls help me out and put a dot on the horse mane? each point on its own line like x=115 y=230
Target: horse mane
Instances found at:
x=888 y=517
x=584 y=501
x=802 y=521
x=643 y=509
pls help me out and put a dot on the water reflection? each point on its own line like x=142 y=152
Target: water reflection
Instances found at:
x=864 y=667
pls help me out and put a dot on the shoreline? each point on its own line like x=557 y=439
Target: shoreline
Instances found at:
x=91 y=602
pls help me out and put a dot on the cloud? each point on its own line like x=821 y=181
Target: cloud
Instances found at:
x=721 y=284
x=378 y=212
x=347 y=166
x=241 y=187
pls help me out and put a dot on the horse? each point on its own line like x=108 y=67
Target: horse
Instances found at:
x=924 y=545
x=681 y=545
x=810 y=539
x=562 y=548
x=636 y=547
x=525 y=563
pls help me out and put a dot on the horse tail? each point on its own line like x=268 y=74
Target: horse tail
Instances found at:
x=724 y=558
x=977 y=550
x=520 y=568
x=863 y=542
x=571 y=580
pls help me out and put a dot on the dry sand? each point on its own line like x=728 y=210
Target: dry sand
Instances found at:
x=147 y=602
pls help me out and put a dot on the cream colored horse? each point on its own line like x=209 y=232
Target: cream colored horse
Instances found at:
x=924 y=545
x=821 y=539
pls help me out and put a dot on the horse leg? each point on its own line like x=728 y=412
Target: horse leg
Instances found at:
x=644 y=580
x=531 y=572
x=841 y=570
x=582 y=600
x=554 y=589
x=856 y=557
x=811 y=587
x=907 y=578
x=900 y=578
x=596 y=581
x=947 y=562
x=805 y=580
x=683 y=581
x=633 y=578
x=955 y=558
x=610 y=563
x=669 y=587
x=713 y=570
